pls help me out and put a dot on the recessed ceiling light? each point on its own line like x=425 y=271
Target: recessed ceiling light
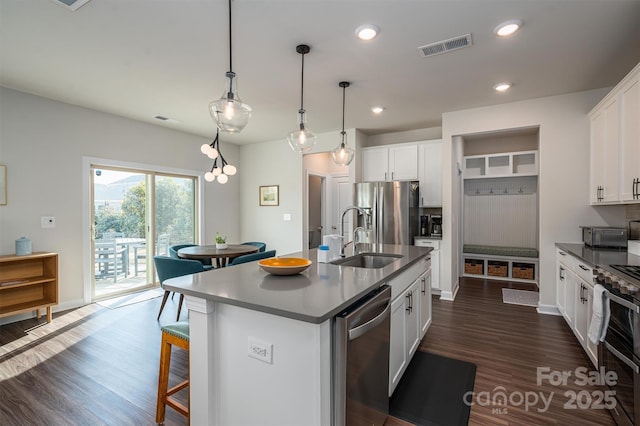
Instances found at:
x=166 y=119
x=507 y=28
x=501 y=87
x=377 y=109
x=367 y=32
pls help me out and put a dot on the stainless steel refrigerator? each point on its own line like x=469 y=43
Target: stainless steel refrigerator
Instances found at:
x=393 y=208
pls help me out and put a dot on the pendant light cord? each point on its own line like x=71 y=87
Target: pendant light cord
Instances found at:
x=230 y=62
x=302 y=86
x=344 y=89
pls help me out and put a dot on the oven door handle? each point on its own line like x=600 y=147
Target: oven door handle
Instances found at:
x=621 y=301
x=622 y=358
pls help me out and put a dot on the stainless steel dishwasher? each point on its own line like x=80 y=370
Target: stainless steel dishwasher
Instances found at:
x=361 y=361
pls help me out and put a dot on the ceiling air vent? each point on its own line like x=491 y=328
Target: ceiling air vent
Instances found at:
x=445 y=46
x=72 y=5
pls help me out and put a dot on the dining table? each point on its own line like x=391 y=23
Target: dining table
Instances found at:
x=222 y=256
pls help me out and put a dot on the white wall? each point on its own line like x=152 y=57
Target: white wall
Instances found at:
x=43 y=143
x=563 y=180
x=275 y=163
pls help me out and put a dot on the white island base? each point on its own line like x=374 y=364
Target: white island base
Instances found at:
x=228 y=387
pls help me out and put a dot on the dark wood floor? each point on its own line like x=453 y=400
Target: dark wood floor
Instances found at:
x=99 y=366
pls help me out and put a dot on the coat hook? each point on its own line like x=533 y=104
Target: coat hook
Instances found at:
x=477 y=192
x=491 y=191
x=521 y=191
x=505 y=191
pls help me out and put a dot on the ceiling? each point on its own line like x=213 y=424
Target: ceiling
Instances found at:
x=143 y=58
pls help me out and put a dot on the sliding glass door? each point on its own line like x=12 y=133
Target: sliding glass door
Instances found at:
x=136 y=214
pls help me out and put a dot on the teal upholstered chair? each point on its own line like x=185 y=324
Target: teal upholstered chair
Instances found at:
x=168 y=267
x=261 y=246
x=173 y=252
x=252 y=257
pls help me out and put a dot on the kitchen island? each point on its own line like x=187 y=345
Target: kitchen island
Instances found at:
x=261 y=345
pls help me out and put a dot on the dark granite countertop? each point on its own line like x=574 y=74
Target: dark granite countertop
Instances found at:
x=317 y=294
x=600 y=256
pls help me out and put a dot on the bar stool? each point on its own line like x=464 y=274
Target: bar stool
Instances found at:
x=173 y=334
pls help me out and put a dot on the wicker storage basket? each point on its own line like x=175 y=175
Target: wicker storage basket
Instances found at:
x=525 y=271
x=497 y=268
x=474 y=266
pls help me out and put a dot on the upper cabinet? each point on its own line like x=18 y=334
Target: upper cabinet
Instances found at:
x=506 y=164
x=387 y=163
x=615 y=144
x=421 y=161
x=430 y=173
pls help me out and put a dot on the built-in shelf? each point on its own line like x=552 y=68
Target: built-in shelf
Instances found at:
x=495 y=267
x=508 y=164
x=28 y=283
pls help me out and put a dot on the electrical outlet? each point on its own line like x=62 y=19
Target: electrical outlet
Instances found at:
x=47 y=222
x=287 y=217
x=260 y=350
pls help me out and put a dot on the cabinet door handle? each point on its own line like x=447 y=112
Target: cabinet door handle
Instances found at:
x=391 y=175
x=561 y=274
x=408 y=309
x=584 y=268
x=385 y=175
x=424 y=287
x=562 y=253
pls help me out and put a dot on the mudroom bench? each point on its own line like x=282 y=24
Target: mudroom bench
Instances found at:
x=501 y=263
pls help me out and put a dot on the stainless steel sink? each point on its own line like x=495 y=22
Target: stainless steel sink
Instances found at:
x=368 y=260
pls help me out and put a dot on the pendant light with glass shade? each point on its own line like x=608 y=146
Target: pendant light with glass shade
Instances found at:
x=229 y=112
x=302 y=139
x=343 y=154
x=222 y=173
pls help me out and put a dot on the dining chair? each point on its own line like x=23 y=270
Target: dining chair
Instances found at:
x=162 y=245
x=252 y=257
x=110 y=258
x=173 y=252
x=168 y=267
x=261 y=246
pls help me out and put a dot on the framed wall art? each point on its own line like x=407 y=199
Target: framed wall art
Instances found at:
x=269 y=195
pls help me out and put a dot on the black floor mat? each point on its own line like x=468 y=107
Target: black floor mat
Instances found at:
x=431 y=391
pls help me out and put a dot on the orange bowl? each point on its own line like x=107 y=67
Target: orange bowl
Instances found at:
x=284 y=265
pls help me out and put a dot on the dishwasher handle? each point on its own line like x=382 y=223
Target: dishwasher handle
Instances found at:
x=358 y=331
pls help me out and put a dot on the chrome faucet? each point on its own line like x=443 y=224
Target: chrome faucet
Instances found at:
x=366 y=225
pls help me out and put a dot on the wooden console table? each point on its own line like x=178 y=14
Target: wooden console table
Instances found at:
x=28 y=283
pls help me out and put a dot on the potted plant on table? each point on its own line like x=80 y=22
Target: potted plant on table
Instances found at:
x=221 y=242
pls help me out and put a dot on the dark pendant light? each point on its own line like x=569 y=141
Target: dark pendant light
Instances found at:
x=343 y=154
x=302 y=139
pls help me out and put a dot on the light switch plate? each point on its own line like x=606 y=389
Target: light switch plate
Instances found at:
x=287 y=217
x=47 y=222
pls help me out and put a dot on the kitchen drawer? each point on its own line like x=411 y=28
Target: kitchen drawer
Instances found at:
x=566 y=259
x=584 y=271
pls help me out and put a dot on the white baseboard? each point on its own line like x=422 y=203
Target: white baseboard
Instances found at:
x=448 y=295
x=548 y=310
x=71 y=304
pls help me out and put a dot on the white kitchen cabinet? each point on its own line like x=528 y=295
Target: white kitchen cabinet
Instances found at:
x=630 y=140
x=435 y=259
x=561 y=278
x=406 y=326
x=425 y=303
x=575 y=298
x=604 y=153
x=584 y=310
x=390 y=162
x=430 y=173
x=570 y=281
x=398 y=354
x=615 y=151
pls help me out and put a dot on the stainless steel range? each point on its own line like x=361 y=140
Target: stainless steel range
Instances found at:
x=620 y=351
